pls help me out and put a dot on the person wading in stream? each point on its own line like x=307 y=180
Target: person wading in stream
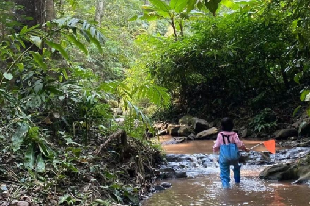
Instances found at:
x=228 y=144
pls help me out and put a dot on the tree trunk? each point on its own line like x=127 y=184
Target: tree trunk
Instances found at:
x=99 y=11
x=29 y=10
x=50 y=10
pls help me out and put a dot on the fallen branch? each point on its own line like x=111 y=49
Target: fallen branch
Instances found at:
x=119 y=134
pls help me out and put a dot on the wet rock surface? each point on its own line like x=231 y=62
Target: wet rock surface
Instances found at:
x=183 y=165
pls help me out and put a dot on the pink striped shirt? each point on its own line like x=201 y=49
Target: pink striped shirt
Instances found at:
x=233 y=137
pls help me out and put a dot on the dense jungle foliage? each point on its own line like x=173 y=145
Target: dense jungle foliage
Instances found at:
x=72 y=70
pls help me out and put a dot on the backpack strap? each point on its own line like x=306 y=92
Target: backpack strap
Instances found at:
x=227 y=136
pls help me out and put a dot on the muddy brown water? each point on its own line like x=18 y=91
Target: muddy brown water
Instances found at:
x=207 y=190
x=202 y=146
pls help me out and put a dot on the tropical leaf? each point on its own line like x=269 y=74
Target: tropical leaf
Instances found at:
x=179 y=5
x=18 y=136
x=39 y=60
x=191 y=5
x=8 y=76
x=59 y=48
x=160 y=5
x=29 y=158
x=304 y=94
x=212 y=5
x=36 y=40
x=81 y=46
x=38 y=86
x=40 y=167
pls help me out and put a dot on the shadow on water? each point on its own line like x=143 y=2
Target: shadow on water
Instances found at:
x=251 y=191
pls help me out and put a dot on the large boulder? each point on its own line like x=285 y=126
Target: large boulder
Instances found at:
x=184 y=131
x=280 y=172
x=284 y=134
x=200 y=125
x=173 y=130
x=208 y=134
x=186 y=120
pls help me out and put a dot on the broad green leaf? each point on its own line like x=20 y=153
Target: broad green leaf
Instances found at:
x=95 y=41
x=18 y=136
x=191 y=5
x=29 y=158
x=150 y=17
x=160 y=5
x=178 y=5
x=8 y=76
x=230 y=4
x=20 y=66
x=148 y=8
x=59 y=48
x=80 y=45
x=24 y=30
x=64 y=72
x=38 y=86
x=212 y=5
x=36 y=41
x=39 y=60
x=40 y=164
x=304 y=94
x=297 y=77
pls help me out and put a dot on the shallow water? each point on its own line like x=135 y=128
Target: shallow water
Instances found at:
x=207 y=190
x=251 y=191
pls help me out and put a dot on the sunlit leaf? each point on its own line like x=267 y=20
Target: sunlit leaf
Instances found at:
x=36 y=40
x=160 y=5
x=40 y=167
x=304 y=94
x=8 y=76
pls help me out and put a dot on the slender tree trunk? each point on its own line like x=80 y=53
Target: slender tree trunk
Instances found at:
x=50 y=10
x=181 y=28
x=99 y=10
x=174 y=29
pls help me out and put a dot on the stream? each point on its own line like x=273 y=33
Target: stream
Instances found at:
x=195 y=178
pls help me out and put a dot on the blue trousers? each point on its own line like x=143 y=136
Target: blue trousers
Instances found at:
x=225 y=173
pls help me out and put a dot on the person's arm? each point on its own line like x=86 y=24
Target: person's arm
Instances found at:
x=239 y=143
x=217 y=144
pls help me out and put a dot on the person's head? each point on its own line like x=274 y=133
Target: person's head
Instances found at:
x=227 y=124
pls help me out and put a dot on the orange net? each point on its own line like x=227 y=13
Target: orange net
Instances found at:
x=270 y=146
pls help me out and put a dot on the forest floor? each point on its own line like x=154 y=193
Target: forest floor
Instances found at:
x=122 y=169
